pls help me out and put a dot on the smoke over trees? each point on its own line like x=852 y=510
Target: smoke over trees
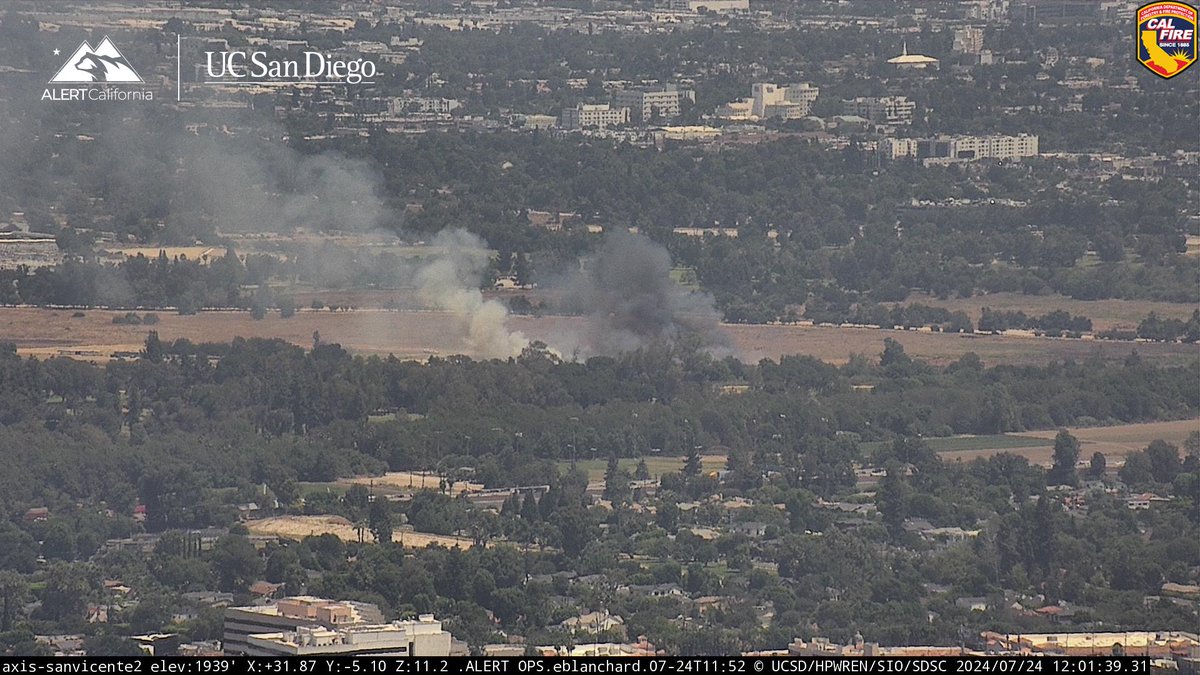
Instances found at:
x=630 y=300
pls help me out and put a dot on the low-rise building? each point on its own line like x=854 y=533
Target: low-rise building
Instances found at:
x=1161 y=644
x=769 y=100
x=708 y=5
x=593 y=115
x=949 y=149
x=290 y=613
x=906 y=61
x=423 y=637
x=889 y=110
x=421 y=104
x=593 y=622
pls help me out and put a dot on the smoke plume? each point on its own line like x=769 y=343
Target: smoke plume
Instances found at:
x=450 y=282
x=630 y=301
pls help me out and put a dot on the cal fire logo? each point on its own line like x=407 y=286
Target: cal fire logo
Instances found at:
x=105 y=63
x=1166 y=37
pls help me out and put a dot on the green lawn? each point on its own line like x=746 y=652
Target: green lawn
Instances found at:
x=657 y=464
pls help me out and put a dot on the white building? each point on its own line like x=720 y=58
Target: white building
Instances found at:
x=421 y=104
x=950 y=149
x=986 y=10
x=772 y=100
x=736 y=110
x=895 y=148
x=943 y=149
x=423 y=637
x=646 y=103
x=912 y=61
x=538 y=121
x=968 y=40
x=593 y=115
x=890 y=110
x=291 y=613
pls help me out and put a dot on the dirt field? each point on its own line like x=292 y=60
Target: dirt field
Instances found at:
x=1105 y=314
x=420 y=334
x=298 y=527
x=1115 y=442
x=408 y=482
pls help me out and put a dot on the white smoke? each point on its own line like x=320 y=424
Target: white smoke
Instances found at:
x=450 y=282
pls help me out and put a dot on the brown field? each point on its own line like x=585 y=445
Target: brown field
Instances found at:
x=408 y=482
x=1114 y=442
x=1105 y=314
x=420 y=334
x=298 y=527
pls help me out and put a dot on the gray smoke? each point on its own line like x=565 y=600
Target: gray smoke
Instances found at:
x=630 y=301
x=255 y=186
x=450 y=282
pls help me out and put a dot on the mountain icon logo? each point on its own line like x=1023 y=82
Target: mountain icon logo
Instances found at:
x=105 y=63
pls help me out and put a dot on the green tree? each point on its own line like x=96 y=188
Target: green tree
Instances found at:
x=59 y=542
x=67 y=590
x=576 y=526
x=616 y=482
x=692 y=464
x=357 y=500
x=1066 y=455
x=236 y=562
x=668 y=515
x=642 y=472
x=891 y=498
x=13 y=591
x=1164 y=460
x=1137 y=470
x=379 y=520
x=1098 y=466
x=18 y=550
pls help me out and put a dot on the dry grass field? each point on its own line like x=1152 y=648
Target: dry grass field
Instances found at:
x=420 y=334
x=1114 y=442
x=407 y=482
x=1105 y=314
x=298 y=527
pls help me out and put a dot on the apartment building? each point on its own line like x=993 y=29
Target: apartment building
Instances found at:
x=889 y=110
x=648 y=103
x=593 y=115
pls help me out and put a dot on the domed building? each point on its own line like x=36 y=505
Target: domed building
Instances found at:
x=915 y=61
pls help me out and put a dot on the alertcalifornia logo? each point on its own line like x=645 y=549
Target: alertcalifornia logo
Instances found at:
x=94 y=71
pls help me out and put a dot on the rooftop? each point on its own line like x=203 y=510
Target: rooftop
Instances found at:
x=911 y=59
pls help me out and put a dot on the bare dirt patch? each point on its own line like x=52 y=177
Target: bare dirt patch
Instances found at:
x=409 y=482
x=299 y=527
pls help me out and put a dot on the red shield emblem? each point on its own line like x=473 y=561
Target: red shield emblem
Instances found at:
x=1166 y=37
